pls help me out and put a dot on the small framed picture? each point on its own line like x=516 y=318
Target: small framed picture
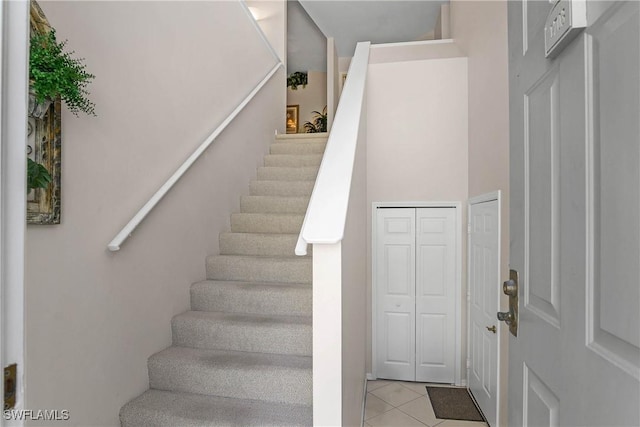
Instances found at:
x=292 y=118
x=343 y=78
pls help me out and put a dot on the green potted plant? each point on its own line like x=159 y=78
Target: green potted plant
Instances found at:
x=319 y=123
x=54 y=72
x=296 y=79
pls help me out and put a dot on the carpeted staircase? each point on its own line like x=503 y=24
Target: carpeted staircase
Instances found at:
x=242 y=356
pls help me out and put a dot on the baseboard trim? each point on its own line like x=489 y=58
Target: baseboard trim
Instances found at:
x=370 y=377
x=364 y=400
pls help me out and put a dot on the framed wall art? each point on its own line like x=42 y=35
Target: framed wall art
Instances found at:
x=292 y=118
x=44 y=142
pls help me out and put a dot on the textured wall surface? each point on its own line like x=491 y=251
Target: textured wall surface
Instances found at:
x=416 y=139
x=167 y=73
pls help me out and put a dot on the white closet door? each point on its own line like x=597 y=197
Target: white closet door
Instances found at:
x=396 y=289
x=415 y=257
x=435 y=294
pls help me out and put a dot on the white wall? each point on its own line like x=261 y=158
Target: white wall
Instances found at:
x=354 y=288
x=417 y=138
x=333 y=81
x=311 y=98
x=480 y=29
x=272 y=19
x=167 y=73
x=343 y=63
x=343 y=67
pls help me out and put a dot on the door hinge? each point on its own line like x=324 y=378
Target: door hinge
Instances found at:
x=468 y=228
x=10 y=374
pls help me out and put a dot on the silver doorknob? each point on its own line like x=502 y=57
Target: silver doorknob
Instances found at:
x=510 y=288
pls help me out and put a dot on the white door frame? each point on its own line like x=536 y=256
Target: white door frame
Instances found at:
x=14 y=49
x=458 y=280
x=487 y=197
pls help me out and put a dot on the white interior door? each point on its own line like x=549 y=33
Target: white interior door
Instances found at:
x=415 y=283
x=435 y=295
x=484 y=291
x=574 y=226
x=396 y=290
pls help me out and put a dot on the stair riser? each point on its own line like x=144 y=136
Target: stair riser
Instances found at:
x=277 y=299
x=281 y=188
x=267 y=204
x=287 y=174
x=258 y=244
x=273 y=384
x=264 y=223
x=302 y=138
x=288 y=160
x=156 y=408
x=286 y=338
x=297 y=148
x=250 y=335
x=260 y=270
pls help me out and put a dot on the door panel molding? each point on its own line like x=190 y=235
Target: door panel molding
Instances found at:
x=542 y=294
x=610 y=174
x=537 y=398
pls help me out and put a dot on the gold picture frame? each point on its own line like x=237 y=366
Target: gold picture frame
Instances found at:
x=44 y=144
x=293 y=112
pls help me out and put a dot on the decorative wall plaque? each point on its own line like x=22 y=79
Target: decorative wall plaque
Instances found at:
x=564 y=23
x=44 y=146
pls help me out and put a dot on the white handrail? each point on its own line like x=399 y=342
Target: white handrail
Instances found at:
x=327 y=211
x=125 y=233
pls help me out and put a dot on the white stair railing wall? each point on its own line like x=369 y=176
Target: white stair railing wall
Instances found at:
x=335 y=224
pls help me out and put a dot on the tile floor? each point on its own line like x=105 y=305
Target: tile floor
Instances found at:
x=403 y=404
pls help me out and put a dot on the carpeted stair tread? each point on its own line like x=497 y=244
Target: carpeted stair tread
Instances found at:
x=274 y=204
x=313 y=147
x=243 y=332
x=252 y=297
x=242 y=356
x=287 y=223
x=258 y=244
x=242 y=375
x=259 y=269
x=283 y=173
x=158 y=408
x=295 y=160
x=281 y=188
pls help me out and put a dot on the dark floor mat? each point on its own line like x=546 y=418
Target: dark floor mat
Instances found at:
x=451 y=403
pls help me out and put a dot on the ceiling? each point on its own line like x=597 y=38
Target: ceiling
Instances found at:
x=381 y=21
